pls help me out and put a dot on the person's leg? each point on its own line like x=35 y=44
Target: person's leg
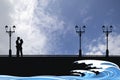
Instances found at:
x=17 y=53
x=21 y=53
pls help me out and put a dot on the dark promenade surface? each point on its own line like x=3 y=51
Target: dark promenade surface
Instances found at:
x=44 y=65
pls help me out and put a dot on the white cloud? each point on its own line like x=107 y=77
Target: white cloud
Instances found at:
x=100 y=48
x=40 y=27
x=114 y=44
x=5 y=10
x=97 y=53
x=36 y=25
x=84 y=10
x=96 y=50
x=23 y=19
x=89 y=18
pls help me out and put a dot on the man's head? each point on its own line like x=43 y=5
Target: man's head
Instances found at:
x=18 y=38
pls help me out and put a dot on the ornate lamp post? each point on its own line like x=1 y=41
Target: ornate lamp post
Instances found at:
x=80 y=30
x=107 y=30
x=10 y=30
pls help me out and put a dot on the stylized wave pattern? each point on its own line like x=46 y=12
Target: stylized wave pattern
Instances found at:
x=98 y=70
x=93 y=70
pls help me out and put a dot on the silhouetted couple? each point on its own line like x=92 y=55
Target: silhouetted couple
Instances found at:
x=19 y=43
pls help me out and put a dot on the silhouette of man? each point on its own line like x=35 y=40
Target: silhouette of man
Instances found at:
x=21 y=42
x=17 y=46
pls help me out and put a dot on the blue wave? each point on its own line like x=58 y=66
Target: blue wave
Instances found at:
x=107 y=71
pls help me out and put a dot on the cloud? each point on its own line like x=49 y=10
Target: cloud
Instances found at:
x=114 y=44
x=5 y=19
x=37 y=26
x=84 y=10
x=47 y=26
x=100 y=48
x=35 y=23
x=87 y=19
x=96 y=48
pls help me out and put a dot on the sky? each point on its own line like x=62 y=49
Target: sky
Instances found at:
x=48 y=26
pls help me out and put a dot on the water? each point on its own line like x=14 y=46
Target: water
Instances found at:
x=94 y=70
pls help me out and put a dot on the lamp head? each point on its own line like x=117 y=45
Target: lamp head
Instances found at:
x=14 y=26
x=111 y=27
x=84 y=26
x=6 y=26
x=103 y=27
x=76 y=27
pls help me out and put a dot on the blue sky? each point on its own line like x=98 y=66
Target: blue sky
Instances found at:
x=48 y=26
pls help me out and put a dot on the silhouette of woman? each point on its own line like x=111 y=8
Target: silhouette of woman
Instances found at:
x=17 y=46
x=21 y=42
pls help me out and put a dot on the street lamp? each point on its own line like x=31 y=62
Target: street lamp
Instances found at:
x=80 y=30
x=10 y=30
x=107 y=30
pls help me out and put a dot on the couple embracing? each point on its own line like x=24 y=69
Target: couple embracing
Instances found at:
x=19 y=43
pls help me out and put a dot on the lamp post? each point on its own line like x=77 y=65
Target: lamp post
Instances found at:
x=10 y=30
x=80 y=30
x=107 y=30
